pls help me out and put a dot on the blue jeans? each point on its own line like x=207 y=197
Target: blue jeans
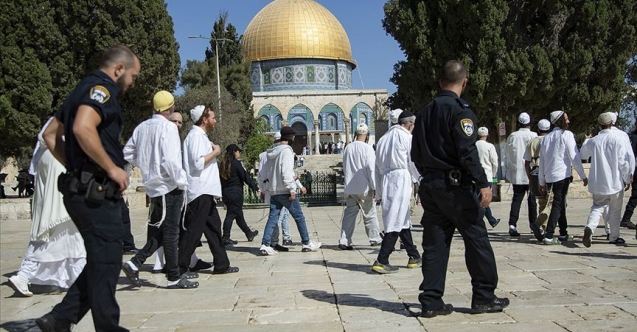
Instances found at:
x=283 y=223
x=276 y=203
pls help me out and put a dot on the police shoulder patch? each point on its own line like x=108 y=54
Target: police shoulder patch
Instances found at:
x=100 y=94
x=467 y=126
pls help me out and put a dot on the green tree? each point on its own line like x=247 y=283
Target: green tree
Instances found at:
x=521 y=56
x=256 y=144
x=58 y=42
x=198 y=79
x=197 y=74
x=234 y=73
x=226 y=130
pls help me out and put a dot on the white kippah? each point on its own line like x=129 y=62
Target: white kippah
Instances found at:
x=362 y=129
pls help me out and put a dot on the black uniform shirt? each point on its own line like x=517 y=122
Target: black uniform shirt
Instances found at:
x=444 y=138
x=238 y=176
x=100 y=92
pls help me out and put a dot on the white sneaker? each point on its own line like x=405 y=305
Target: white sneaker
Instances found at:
x=311 y=247
x=267 y=250
x=20 y=286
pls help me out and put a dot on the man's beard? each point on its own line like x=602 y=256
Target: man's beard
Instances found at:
x=122 y=85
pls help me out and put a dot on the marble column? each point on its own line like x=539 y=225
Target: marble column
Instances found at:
x=347 y=131
x=317 y=138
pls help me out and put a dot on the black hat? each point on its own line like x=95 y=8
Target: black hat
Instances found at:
x=405 y=114
x=233 y=147
x=287 y=133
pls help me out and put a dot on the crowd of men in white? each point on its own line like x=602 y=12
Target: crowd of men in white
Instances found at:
x=538 y=166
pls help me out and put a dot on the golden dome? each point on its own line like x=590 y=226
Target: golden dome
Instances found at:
x=293 y=29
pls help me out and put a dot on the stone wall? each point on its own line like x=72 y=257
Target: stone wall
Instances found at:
x=14 y=208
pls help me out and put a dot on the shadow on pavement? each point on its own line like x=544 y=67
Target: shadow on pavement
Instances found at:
x=361 y=300
x=595 y=254
x=344 y=266
x=21 y=326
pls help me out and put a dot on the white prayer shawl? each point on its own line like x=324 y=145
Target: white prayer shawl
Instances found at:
x=55 y=254
x=610 y=163
x=40 y=147
x=395 y=174
x=359 y=168
x=558 y=152
x=488 y=158
x=516 y=146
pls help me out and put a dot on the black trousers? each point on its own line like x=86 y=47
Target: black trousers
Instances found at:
x=202 y=217
x=519 y=190
x=448 y=208
x=233 y=199
x=389 y=241
x=167 y=207
x=129 y=240
x=102 y=230
x=632 y=201
x=558 y=209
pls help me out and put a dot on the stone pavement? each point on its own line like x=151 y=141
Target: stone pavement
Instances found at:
x=552 y=288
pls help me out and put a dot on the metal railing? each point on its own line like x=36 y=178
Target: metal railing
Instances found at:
x=322 y=189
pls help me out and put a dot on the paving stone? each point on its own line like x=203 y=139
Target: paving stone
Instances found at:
x=551 y=288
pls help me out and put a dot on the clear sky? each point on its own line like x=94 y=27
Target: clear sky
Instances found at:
x=373 y=50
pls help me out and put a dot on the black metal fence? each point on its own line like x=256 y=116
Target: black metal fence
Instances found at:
x=321 y=190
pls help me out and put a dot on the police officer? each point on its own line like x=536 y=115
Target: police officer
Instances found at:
x=91 y=121
x=444 y=151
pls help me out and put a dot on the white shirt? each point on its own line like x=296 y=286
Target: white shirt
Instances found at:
x=155 y=148
x=488 y=158
x=359 y=163
x=625 y=140
x=516 y=146
x=558 y=153
x=202 y=179
x=610 y=164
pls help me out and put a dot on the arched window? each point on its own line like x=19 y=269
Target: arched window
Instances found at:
x=331 y=122
x=279 y=123
x=362 y=118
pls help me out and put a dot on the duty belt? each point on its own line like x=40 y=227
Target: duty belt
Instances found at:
x=454 y=177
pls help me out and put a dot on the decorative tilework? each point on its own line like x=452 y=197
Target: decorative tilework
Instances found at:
x=254 y=77
x=341 y=77
x=277 y=76
x=266 y=76
x=299 y=74
x=321 y=75
x=310 y=74
x=289 y=74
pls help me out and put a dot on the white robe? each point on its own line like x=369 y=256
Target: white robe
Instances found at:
x=395 y=174
x=55 y=255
